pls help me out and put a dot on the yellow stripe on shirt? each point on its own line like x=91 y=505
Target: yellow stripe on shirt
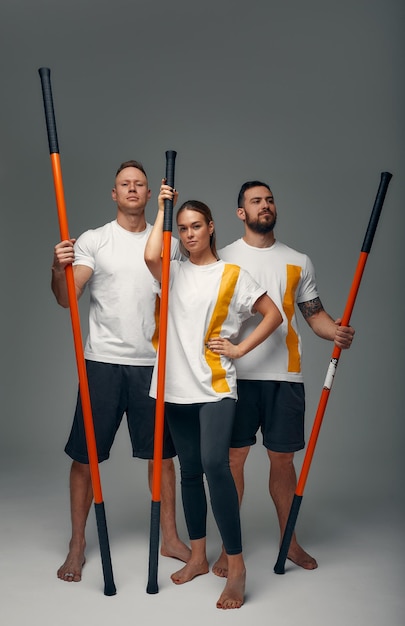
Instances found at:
x=293 y=277
x=226 y=290
x=155 y=338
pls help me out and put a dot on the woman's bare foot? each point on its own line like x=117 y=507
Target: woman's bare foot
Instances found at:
x=190 y=571
x=220 y=567
x=233 y=595
x=176 y=550
x=71 y=570
x=297 y=555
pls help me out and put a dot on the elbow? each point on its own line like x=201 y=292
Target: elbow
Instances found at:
x=62 y=302
x=150 y=264
x=148 y=259
x=150 y=255
x=153 y=266
x=277 y=317
x=274 y=320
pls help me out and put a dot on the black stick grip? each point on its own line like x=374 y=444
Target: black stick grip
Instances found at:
x=152 y=586
x=168 y=214
x=279 y=567
x=109 y=585
x=375 y=214
x=45 y=74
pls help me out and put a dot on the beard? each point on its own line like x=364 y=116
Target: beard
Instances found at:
x=261 y=227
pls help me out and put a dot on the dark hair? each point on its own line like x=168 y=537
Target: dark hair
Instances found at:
x=131 y=163
x=200 y=207
x=249 y=185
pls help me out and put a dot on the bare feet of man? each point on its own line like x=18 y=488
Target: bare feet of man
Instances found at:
x=176 y=550
x=297 y=555
x=71 y=570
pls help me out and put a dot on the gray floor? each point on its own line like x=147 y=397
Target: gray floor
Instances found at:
x=359 y=545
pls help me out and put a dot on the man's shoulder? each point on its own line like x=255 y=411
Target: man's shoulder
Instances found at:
x=231 y=246
x=98 y=230
x=288 y=250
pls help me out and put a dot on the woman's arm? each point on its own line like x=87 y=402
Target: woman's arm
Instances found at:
x=153 y=248
x=271 y=320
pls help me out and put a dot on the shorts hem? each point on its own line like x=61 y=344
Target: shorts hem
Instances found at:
x=243 y=444
x=146 y=456
x=284 y=447
x=84 y=459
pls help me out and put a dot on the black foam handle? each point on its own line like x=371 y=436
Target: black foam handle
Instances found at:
x=375 y=214
x=288 y=533
x=168 y=215
x=45 y=74
x=152 y=586
x=109 y=585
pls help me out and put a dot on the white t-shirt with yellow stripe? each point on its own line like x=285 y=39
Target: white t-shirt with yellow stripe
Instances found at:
x=289 y=278
x=204 y=301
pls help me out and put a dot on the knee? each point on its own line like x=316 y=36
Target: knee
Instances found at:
x=80 y=469
x=281 y=459
x=167 y=466
x=215 y=467
x=189 y=478
x=237 y=458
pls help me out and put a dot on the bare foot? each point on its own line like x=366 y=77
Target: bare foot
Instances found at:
x=297 y=555
x=190 y=571
x=220 y=567
x=176 y=550
x=232 y=596
x=71 y=570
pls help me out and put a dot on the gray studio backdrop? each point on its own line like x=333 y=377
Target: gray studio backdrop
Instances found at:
x=308 y=96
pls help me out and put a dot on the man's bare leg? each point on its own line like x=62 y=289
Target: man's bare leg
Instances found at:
x=197 y=564
x=237 y=458
x=233 y=595
x=282 y=485
x=171 y=543
x=81 y=497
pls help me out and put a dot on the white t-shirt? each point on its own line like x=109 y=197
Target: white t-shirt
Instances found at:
x=123 y=313
x=204 y=301
x=289 y=278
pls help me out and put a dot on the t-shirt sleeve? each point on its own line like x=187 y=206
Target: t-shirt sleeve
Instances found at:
x=249 y=292
x=175 y=253
x=174 y=268
x=307 y=289
x=85 y=250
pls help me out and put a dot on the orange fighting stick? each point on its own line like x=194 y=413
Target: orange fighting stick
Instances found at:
x=152 y=586
x=279 y=567
x=109 y=586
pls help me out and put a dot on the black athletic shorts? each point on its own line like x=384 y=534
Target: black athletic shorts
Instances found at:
x=115 y=390
x=277 y=408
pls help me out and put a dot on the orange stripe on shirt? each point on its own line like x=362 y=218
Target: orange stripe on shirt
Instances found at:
x=226 y=290
x=293 y=277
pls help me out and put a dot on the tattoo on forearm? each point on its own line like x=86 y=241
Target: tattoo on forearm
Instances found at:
x=310 y=307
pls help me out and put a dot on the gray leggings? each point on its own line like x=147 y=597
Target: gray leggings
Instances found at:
x=201 y=434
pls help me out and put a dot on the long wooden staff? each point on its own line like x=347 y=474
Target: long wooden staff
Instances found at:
x=279 y=567
x=152 y=586
x=109 y=586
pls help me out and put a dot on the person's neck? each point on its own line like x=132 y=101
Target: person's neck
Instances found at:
x=133 y=223
x=205 y=258
x=259 y=240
